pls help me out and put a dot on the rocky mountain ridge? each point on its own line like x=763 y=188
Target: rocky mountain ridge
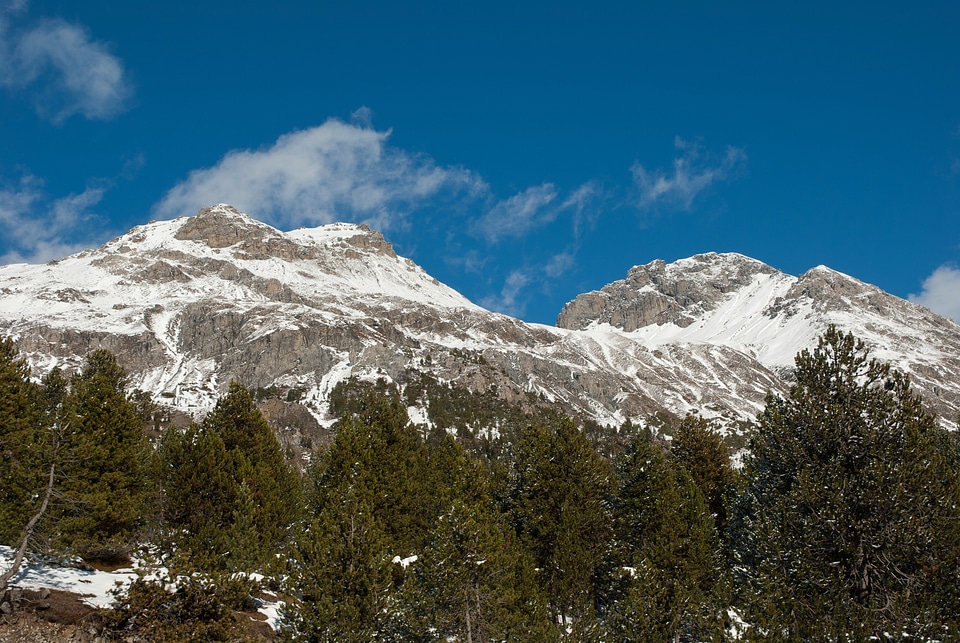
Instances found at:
x=190 y=304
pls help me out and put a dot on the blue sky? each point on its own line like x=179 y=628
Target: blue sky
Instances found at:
x=521 y=152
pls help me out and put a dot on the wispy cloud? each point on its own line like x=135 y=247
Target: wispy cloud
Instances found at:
x=515 y=293
x=349 y=171
x=535 y=207
x=332 y=172
x=36 y=228
x=941 y=292
x=62 y=69
x=559 y=264
x=519 y=214
x=584 y=203
x=692 y=174
x=508 y=300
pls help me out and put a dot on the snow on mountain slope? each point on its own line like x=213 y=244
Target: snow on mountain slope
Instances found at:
x=163 y=259
x=736 y=302
x=144 y=285
x=188 y=305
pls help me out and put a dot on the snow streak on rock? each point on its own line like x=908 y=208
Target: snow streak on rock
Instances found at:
x=190 y=304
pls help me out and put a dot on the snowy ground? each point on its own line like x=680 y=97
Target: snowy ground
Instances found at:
x=96 y=588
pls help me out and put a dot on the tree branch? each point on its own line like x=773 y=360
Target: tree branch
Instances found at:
x=28 y=533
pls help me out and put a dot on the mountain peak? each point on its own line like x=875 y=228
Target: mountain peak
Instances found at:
x=222 y=226
x=660 y=293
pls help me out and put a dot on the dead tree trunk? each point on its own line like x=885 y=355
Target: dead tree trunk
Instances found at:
x=28 y=532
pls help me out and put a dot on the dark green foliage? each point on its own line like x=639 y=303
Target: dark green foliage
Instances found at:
x=380 y=448
x=265 y=393
x=181 y=609
x=199 y=491
x=230 y=497
x=350 y=396
x=473 y=581
x=374 y=497
x=382 y=494
x=21 y=467
x=671 y=583
x=147 y=410
x=53 y=394
x=700 y=450
x=559 y=497
x=343 y=575
x=848 y=523
x=104 y=485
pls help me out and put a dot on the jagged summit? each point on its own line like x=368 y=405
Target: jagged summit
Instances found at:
x=733 y=301
x=224 y=249
x=661 y=293
x=189 y=305
x=222 y=225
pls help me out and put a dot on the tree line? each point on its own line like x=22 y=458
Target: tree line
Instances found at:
x=843 y=522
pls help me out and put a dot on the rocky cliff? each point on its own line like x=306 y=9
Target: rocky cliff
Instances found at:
x=732 y=301
x=191 y=304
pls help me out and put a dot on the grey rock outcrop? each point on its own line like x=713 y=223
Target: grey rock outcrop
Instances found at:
x=661 y=293
x=191 y=304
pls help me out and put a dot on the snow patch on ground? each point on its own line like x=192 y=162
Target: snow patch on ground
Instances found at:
x=99 y=588
x=95 y=587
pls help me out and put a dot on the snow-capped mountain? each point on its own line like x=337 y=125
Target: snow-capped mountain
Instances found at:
x=189 y=304
x=737 y=302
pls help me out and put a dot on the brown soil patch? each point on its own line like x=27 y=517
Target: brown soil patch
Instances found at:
x=47 y=616
x=55 y=616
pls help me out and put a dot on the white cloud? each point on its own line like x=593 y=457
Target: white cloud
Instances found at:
x=941 y=292
x=35 y=229
x=519 y=214
x=583 y=202
x=336 y=171
x=508 y=301
x=536 y=207
x=64 y=71
x=690 y=176
x=559 y=264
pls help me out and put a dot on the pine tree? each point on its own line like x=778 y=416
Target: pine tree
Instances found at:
x=377 y=495
x=342 y=575
x=104 y=484
x=700 y=451
x=342 y=571
x=230 y=497
x=473 y=581
x=256 y=461
x=21 y=468
x=559 y=505
x=672 y=585
x=381 y=447
x=848 y=523
x=199 y=495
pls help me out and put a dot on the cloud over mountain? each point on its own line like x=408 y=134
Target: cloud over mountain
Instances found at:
x=333 y=172
x=941 y=292
x=37 y=226
x=691 y=175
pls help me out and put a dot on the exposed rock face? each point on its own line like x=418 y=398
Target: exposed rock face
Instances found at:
x=739 y=303
x=191 y=304
x=658 y=293
x=222 y=226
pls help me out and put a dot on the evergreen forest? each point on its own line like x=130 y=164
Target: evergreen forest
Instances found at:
x=498 y=521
